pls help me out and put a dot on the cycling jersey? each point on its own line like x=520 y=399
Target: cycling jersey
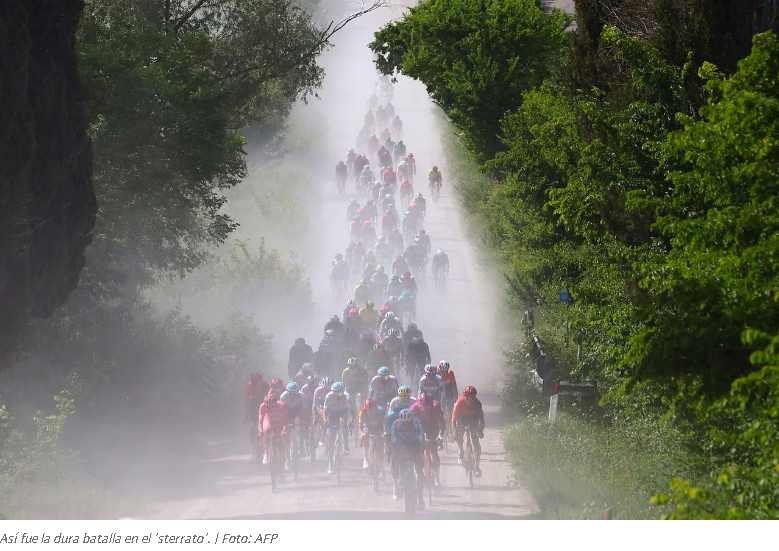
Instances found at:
x=373 y=420
x=396 y=399
x=383 y=389
x=273 y=417
x=296 y=406
x=431 y=417
x=450 y=384
x=434 y=387
x=466 y=413
x=407 y=432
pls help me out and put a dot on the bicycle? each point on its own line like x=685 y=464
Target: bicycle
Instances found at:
x=435 y=191
x=470 y=457
x=314 y=439
x=338 y=454
x=255 y=442
x=375 y=463
x=273 y=461
x=429 y=471
x=408 y=485
x=340 y=183
x=294 y=448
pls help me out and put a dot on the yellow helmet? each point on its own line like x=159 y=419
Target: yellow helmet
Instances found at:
x=351 y=361
x=404 y=391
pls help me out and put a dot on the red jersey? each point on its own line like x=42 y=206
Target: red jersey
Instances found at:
x=450 y=383
x=274 y=417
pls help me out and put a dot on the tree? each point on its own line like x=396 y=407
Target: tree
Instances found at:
x=47 y=202
x=476 y=58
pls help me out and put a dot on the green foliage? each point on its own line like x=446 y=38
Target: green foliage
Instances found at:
x=461 y=48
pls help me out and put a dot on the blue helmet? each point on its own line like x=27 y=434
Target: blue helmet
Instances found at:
x=394 y=277
x=412 y=326
x=384 y=371
x=292 y=387
x=338 y=386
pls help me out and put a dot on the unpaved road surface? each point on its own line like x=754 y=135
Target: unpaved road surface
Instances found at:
x=459 y=324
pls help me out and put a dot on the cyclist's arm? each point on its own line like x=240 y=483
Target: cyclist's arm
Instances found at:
x=480 y=417
x=362 y=419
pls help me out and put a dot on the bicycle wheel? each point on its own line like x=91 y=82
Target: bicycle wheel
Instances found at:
x=337 y=459
x=314 y=441
x=376 y=467
x=410 y=494
x=272 y=466
x=295 y=455
x=429 y=476
x=469 y=462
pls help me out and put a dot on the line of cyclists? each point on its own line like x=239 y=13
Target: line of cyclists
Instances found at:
x=374 y=345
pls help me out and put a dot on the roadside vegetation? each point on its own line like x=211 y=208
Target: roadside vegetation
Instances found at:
x=634 y=161
x=175 y=96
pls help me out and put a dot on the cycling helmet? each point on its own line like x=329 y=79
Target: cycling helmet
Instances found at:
x=426 y=398
x=380 y=269
x=430 y=369
x=323 y=347
x=326 y=382
x=435 y=169
x=351 y=150
x=378 y=346
x=384 y=371
x=444 y=366
x=390 y=315
x=369 y=304
x=339 y=256
x=292 y=387
x=271 y=399
x=419 y=194
x=354 y=312
x=337 y=387
x=367 y=335
x=308 y=366
x=312 y=380
x=335 y=318
x=353 y=202
x=395 y=332
x=351 y=361
x=382 y=239
x=405 y=415
x=370 y=403
x=373 y=135
x=412 y=326
x=440 y=251
x=422 y=232
x=416 y=340
x=406 y=275
x=368 y=224
x=275 y=383
x=404 y=391
x=469 y=391
x=411 y=155
x=256 y=377
x=300 y=341
x=369 y=251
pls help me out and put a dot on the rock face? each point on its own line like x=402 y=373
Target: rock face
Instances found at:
x=47 y=201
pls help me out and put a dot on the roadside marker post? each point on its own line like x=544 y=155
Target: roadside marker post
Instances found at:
x=553 y=402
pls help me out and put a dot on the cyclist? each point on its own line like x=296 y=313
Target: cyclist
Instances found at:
x=371 y=422
x=337 y=413
x=408 y=439
x=395 y=239
x=450 y=386
x=468 y=414
x=306 y=370
x=296 y=409
x=421 y=203
x=384 y=135
x=354 y=378
x=318 y=403
x=369 y=314
x=335 y=325
x=277 y=386
x=383 y=387
x=424 y=239
x=341 y=173
x=399 y=151
x=440 y=262
x=362 y=293
x=256 y=390
x=434 y=177
x=391 y=321
x=377 y=358
x=403 y=398
x=299 y=354
x=413 y=162
x=379 y=282
x=324 y=359
x=431 y=383
x=397 y=126
x=393 y=343
x=351 y=155
x=429 y=412
x=409 y=283
x=273 y=417
x=308 y=389
x=400 y=266
x=417 y=355
x=406 y=189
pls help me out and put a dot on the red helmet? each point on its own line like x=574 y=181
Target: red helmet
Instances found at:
x=370 y=403
x=406 y=182
x=354 y=312
x=406 y=275
x=422 y=232
x=256 y=377
x=275 y=383
x=398 y=258
x=368 y=223
x=411 y=155
x=271 y=398
x=373 y=135
x=426 y=398
x=469 y=391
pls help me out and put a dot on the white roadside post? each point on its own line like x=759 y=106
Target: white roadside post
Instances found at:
x=553 y=402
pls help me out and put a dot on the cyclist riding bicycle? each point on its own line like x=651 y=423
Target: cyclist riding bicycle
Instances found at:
x=429 y=412
x=273 y=417
x=408 y=440
x=336 y=412
x=371 y=423
x=431 y=383
x=403 y=398
x=440 y=261
x=450 y=385
x=297 y=408
x=434 y=176
x=354 y=379
x=383 y=387
x=468 y=414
